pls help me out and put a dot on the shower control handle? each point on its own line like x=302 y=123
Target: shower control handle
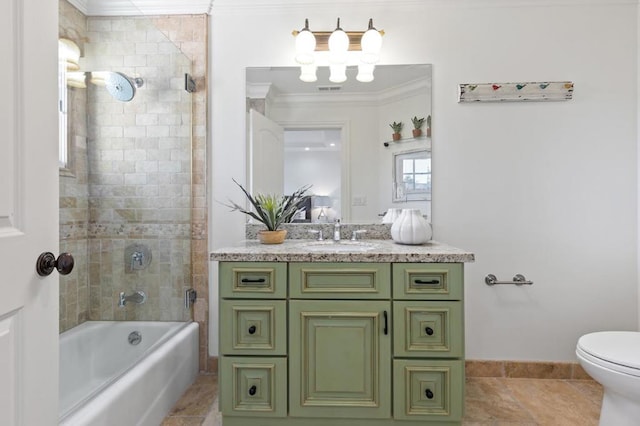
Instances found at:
x=47 y=262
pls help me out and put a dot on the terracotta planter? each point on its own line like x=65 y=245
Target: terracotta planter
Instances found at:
x=272 y=237
x=396 y=136
x=417 y=133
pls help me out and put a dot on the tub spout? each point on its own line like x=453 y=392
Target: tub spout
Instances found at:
x=139 y=297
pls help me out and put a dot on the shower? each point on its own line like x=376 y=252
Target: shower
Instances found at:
x=120 y=86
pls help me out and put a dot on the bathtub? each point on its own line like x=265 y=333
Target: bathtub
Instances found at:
x=106 y=380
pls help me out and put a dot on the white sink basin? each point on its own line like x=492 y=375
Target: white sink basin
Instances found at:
x=340 y=246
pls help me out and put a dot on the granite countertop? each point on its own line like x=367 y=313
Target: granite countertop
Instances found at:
x=346 y=251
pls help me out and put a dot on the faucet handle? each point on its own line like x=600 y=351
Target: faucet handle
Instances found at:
x=317 y=232
x=354 y=235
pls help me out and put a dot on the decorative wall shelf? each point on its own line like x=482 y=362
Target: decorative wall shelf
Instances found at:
x=403 y=140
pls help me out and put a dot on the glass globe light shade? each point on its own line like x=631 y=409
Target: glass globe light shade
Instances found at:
x=371 y=44
x=305 y=46
x=365 y=72
x=337 y=73
x=308 y=73
x=338 y=46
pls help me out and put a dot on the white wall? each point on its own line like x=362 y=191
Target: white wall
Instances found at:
x=543 y=189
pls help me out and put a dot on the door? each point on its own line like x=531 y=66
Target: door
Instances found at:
x=340 y=359
x=266 y=155
x=28 y=212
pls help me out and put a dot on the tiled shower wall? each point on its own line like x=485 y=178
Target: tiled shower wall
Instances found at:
x=140 y=173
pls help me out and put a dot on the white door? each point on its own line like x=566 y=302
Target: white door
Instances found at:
x=266 y=155
x=28 y=212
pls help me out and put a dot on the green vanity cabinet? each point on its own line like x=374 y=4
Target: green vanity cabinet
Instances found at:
x=339 y=359
x=341 y=343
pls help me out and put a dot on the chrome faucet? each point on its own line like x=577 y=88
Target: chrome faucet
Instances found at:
x=317 y=232
x=336 y=230
x=139 y=297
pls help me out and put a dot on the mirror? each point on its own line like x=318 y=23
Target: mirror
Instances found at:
x=337 y=137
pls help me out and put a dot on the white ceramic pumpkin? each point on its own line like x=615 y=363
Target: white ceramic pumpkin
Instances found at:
x=411 y=228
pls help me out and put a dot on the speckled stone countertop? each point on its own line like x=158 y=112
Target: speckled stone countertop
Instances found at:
x=345 y=251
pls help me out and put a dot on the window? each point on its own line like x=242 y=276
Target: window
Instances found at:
x=412 y=176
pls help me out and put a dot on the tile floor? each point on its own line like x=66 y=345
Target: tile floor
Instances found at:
x=489 y=401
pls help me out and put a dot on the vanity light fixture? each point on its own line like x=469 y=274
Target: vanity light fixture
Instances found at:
x=338 y=43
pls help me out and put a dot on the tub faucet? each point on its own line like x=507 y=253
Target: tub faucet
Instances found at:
x=139 y=297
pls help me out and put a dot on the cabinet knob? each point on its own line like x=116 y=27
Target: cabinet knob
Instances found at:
x=252 y=390
x=429 y=331
x=252 y=329
x=428 y=394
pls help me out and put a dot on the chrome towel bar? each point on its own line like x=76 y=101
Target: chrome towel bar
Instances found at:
x=518 y=279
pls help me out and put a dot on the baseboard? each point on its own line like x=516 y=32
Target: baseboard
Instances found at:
x=526 y=370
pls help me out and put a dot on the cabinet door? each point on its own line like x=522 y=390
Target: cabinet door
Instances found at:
x=340 y=359
x=253 y=327
x=428 y=329
x=430 y=390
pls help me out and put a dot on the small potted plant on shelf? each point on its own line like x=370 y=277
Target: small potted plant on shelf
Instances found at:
x=397 y=128
x=272 y=211
x=428 y=126
x=417 y=126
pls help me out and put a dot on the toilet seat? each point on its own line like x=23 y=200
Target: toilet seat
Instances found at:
x=616 y=350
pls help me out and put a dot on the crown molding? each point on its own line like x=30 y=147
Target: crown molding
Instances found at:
x=142 y=7
x=274 y=5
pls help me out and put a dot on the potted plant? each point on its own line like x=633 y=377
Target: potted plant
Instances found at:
x=417 y=126
x=397 y=128
x=272 y=211
x=428 y=126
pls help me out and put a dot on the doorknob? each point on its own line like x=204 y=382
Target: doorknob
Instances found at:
x=47 y=262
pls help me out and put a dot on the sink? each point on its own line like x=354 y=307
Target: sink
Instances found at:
x=340 y=246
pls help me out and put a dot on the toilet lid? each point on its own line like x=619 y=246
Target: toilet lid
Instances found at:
x=619 y=347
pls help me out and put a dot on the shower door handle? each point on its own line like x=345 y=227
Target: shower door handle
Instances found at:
x=47 y=262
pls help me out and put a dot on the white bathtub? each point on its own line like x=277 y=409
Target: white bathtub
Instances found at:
x=105 y=380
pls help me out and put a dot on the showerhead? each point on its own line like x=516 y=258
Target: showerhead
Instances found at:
x=121 y=87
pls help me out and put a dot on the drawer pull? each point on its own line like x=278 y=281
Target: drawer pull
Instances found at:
x=386 y=322
x=429 y=331
x=428 y=282
x=252 y=329
x=428 y=394
x=252 y=280
x=253 y=389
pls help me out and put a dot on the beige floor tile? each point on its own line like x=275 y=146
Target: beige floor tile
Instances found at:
x=553 y=402
x=589 y=388
x=197 y=400
x=488 y=400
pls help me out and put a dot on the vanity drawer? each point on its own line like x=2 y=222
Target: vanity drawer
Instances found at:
x=340 y=280
x=253 y=327
x=436 y=281
x=253 y=280
x=428 y=390
x=253 y=386
x=428 y=329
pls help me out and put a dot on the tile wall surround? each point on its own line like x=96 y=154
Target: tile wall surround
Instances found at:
x=104 y=204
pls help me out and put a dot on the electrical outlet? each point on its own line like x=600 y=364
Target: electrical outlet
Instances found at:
x=359 y=201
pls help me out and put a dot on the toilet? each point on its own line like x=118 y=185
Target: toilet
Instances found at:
x=612 y=358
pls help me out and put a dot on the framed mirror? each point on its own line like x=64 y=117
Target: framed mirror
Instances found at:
x=337 y=138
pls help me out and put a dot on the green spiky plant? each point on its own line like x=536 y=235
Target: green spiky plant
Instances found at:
x=397 y=127
x=417 y=122
x=272 y=210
